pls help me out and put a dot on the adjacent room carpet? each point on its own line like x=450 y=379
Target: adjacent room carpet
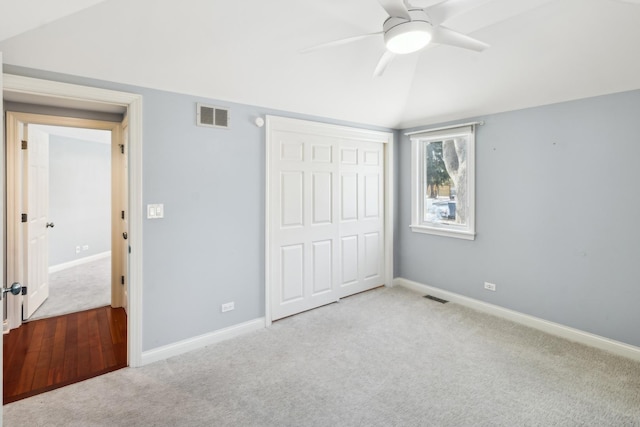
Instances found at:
x=387 y=357
x=78 y=288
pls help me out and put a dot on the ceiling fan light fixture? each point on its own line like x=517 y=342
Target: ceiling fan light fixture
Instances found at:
x=408 y=37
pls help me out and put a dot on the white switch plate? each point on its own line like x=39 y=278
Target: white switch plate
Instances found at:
x=227 y=307
x=155 y=211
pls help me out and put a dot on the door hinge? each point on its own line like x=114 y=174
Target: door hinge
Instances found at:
x=121 y=148
x=24 y=290
x=122 y=280
x=122 y=214
x=24 y=144
x=24 y=217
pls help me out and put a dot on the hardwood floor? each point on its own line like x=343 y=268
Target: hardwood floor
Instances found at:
x=45 y=354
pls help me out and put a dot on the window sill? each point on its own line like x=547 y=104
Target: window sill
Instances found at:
x=441 y=231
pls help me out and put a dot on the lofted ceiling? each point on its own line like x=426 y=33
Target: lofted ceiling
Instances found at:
x=541 y=52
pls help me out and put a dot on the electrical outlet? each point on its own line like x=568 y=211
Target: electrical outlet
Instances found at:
x=227 y=306
x=490 y=286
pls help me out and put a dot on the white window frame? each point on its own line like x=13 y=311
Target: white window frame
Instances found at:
x=418 y=143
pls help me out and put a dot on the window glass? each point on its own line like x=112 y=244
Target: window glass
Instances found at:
x=443 y=182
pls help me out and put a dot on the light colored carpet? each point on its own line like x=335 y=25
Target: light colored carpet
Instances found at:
x=387 y=357
x=78 y=288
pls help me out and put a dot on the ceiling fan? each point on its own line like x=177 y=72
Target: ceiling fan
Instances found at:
x=409 y=28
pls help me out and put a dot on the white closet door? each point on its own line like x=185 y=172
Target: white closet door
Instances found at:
x=361 y=216
x=326 y=218
x=303 y=252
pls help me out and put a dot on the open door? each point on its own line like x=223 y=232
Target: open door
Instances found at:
x=27 y=164
x=35 y=212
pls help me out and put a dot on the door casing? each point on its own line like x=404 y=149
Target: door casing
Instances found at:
x=310 y=127
x=85 y=97
x=15 y=253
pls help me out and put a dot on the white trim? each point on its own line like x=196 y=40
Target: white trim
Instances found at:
x=418 y=186
x=201 y=341
x=389 y=204
x=572 y=334
x=416 y=132
x=79 y=261
x=339 y=132
x=133 y=103
x=267 y=225
x=5 y=325
x=447 y=232
x=33 y=86
x=136 y=212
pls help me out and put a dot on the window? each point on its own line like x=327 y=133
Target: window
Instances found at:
x=443 y=190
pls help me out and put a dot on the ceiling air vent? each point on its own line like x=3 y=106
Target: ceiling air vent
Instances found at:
x=211 y=116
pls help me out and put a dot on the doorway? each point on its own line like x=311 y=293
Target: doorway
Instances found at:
x=70 y=171
x=52 y=93
x=31 y=143
x=79 y=223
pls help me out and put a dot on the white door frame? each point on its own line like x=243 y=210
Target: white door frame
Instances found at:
x=15 y=256
x=1 y=230
x=64 y=92
x=388 y=192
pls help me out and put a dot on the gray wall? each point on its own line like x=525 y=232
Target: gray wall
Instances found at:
x=557 y=217
x=79 y=198
x=555 y=222
x=209 y=248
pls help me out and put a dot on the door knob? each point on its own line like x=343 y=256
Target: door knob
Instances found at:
x=50 y=225
x=15 y=289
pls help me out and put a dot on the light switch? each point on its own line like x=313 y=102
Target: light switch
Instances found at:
x=155 y=211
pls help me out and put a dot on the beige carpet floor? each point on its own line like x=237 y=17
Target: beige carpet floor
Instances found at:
x=78 y=288
x=387 y=357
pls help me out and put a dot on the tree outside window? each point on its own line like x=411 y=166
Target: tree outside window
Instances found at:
x=445 y=180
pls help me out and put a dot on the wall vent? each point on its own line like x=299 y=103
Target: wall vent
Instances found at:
x=212 y=116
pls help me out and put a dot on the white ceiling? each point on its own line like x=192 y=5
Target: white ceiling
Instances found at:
x=542 y=51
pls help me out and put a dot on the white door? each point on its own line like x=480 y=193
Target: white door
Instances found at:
x=304 y=249
x=326 y=226
x=361 y=216
x=35 y=193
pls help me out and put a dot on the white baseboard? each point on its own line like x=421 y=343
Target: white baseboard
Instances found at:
x=79 y=261
x=195 y=343
x=557 y=329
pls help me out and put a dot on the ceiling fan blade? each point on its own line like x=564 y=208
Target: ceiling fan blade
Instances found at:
x=395 y=8
x=340 y=42
x=444 y=35
x=385 y=60
x=441 y=12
